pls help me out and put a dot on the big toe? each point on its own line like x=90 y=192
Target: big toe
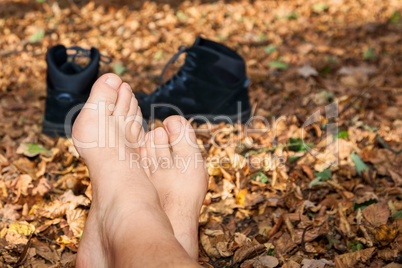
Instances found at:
x=104 y=92
x=101 y=103
x=181 y=136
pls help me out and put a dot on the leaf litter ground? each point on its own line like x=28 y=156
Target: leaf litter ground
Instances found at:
x=337 y=205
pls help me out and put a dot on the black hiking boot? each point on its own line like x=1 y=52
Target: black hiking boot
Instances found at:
x=68 y=87
x=211 y=86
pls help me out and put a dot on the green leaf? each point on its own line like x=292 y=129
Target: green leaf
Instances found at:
x=278 y=65
x=292 y=16
x=270 y=49
x=262 y=37
x=320 y=177
x=158 y=55
x=396 y=17
x=326 y=70
x=363 y=205
x=356 y=245
x=37 y=37
x=40 y=1
x=369 y=54
x=315 y=182
x=318 y=8
x=397 y=215
x=36 y=149
x=271 y=252
x=32 y=150
x=324 y=175
x=293 y=158
x=360 y=166
x=181 y=16
x=343 y=135
x=119 y=68
x=296 y=145
x=260 y=176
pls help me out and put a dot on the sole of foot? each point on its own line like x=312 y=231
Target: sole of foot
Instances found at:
x=177 y=170
x=126 y=225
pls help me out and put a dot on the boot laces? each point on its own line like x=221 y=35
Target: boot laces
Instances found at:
x=188 y=65
x=86 y=53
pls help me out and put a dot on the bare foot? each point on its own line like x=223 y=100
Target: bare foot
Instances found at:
x=126 y=226
x=179 y=176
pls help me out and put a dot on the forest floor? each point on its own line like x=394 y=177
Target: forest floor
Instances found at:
x=337 y=62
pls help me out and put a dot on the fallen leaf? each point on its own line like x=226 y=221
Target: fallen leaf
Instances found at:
x=306 y=71
x=361 y=69
x=46 y=252
x=69 y=197
x=385 y=235
x=10 y=212
x=349 y=260
x=119 y=68
x=247 y=252
x=76 y=220
x=43 y=187
x=32 y=150
x=268 y=261
x=21 y=184
x=321 y=263
x=22 y=228
x=377 y=214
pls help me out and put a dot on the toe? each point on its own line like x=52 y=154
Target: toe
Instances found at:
x=144 y=156
x=104 y=92
x=162 y=144
x=133 y=105
x=181 y=136
x=151 y=153
x=124 y=97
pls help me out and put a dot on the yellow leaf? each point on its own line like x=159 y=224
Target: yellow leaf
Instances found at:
x=241 y=197
x=22 y=228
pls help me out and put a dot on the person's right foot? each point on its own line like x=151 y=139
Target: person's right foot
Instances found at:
x=179 y=176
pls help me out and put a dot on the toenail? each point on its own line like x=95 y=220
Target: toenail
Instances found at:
x=174 y=126
x=128 y=86
x=113 y=81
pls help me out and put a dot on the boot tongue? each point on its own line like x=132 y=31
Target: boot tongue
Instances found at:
x=70 y=68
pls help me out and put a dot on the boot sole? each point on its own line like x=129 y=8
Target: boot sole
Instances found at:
x=54 y=129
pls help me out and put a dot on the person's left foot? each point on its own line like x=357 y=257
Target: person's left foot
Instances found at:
x=179 y=176
x=126 y=226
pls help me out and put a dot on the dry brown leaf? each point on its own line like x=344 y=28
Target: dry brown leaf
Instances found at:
x=16 y=238
x=349 y=260
x=291 y=264
x=69 y=197
x=377 y=214
x=306 y=71
x=21 y=184
x=247 y=252
x=268 y=261
x=45 y=251
x=10 y=212
x=76 y=220
x=68 y=259
x=54 y=209
x=321 y=263
x=43 y=187
x=396 y=178
x=284 y=244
